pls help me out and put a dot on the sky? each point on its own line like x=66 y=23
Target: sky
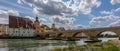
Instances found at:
x=71 y=14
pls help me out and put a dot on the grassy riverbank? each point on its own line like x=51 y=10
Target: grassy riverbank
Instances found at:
x=100 y=46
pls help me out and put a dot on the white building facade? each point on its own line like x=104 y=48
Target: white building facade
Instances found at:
x=22 y=32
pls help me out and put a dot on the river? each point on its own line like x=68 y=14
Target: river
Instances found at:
x=39 y=45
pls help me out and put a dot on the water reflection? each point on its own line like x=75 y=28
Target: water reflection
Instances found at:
x=38 y=45
x=106 y=39
x=32 y=45
x=81 y=41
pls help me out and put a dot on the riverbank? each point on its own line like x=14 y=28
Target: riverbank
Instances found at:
x=111 y=45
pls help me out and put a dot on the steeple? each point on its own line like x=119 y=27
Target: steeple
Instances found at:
x=36 y=18
x=53 y=25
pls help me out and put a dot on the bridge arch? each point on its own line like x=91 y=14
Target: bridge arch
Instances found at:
x=107 y=33
x=37 y=35
x=79 y=34
x=47 y=36
x=59 y=35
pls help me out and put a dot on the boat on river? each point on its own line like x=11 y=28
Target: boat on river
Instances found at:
x=92 y=39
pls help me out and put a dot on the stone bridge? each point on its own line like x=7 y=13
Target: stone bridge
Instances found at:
x=78 y=33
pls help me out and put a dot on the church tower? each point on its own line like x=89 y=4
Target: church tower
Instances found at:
x=37 y=24
x=53 y=26
x=37 y=19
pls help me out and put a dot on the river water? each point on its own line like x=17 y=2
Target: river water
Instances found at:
x=39 y=45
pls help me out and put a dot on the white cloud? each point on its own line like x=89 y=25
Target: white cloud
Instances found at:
x=77 y=27
x=106 y=12
x=31 y=18
x=108 y=15
x=52 y=8
x=111 y=12
x=113 y=2
x=4 y=15
x=62 y=20
x=116 y=23
x=42 y=20
x=13 y=12
x=20 y=8
x=100 y=19
x=117 y=10
x=59 y=7
x=19 y=2
x=86 y=6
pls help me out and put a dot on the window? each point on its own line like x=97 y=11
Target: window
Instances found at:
x=16 y=31
x=23 y=31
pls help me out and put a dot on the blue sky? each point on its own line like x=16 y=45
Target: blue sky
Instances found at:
x=71 y=14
